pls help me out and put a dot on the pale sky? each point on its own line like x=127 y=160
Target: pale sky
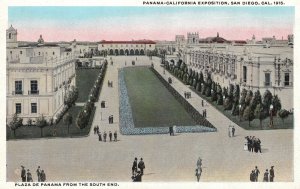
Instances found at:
x=154 y=23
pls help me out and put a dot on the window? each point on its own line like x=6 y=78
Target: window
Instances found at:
x=286 y=79
x=18 y=108
x=53 y=53
x=244 y=74
x=21 y=52
x=18 y=87
x=34 y=87
x=267 y=79
x=9 y=36
x=33 y=108
x=39 y=53
x=10 y=52
x=149 y=45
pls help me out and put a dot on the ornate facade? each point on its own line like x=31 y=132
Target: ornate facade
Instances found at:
x=38 y=77
x=256 y=69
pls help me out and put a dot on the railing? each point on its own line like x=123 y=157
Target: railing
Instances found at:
x=287 y=83
x=35 y=92
x=17 y=93
x=267 y=84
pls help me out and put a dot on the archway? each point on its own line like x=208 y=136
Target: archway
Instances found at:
x=121 y=52
x=111 y=52
x=137 y=52
x=116 y=52
x=142 y=52
x=126 y=52
x=131 y=52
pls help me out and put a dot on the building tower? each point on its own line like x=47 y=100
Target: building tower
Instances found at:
x=11 y=37
x=193 y=38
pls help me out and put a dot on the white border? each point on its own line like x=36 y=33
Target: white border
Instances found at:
x=228 y=185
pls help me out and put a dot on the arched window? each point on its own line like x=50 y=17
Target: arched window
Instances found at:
x=9 y=36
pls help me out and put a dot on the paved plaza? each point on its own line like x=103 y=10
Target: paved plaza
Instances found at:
x=166 y=158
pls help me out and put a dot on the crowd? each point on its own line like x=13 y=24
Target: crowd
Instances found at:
x=26 y=176
x=112 y=136
x=267 y=177
x=252 y=144
x=137 y=170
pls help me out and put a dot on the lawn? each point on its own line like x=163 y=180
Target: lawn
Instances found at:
x=85 y=79
x=48 y=131
x=152 y=104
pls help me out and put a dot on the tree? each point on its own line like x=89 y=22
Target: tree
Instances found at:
x=248 y=97
x=267 y=100
x=283 y=114
x=259 y=113
x=242 y=101
x=248 y=114
x=276 y=104
x=15 y=123
x=255 y=100
x=68 y=119
x=41 y=122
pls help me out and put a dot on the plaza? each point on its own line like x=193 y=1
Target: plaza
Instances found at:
x=169 y=159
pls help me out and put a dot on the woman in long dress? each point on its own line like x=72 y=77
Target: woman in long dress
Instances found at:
x=245 y=144
x=199 y=162
x=198 y=173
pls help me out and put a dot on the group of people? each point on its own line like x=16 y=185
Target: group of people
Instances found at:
x=204 y=113
x=231 y=131
x=187 y=95
x=268 y=175
x=137 y=170
x=109 y=83
x=172 y=130
x=26 y=176
x=112 y=137
x=252 y=144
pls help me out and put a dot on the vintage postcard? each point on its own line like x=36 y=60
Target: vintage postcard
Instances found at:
x=164 y=93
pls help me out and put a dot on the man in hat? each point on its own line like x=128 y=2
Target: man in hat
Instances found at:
x=233 y=130
x=38 y=172
x=134 y=166
x=29 y=176
x=141 y=166
x=110 y=136
x=23 y=174
x=266 y=176
x=104 y=136
x=99 y=136
x=272 y=175
x=252 y=176
x=115 y=136
x=257 y=172
x=43 y=176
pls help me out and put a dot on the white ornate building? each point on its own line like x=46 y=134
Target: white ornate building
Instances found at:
x=38 y=77
x=138 y=47
x=255 y=68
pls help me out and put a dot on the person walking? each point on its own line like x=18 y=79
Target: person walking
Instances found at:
x=134 y=166
x=272 y=175
x=95 y=129
x=43 y=176
x=38 y=173
x=115 y=136
x=259 y=145
x=257 y=172
x=23 y=174
x=99 y=136
x=198 y=173
x=104 y=136
x=202 y=103
x=141 y=166
x=252 y=176
x=29 y=176
x=199 y=162
x=266 y=176
x=110 y=136
x=233 y=130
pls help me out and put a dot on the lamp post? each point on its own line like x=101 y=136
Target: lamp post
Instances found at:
x=240 y=109
x=271 y=115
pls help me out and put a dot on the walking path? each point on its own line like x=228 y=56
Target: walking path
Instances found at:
x=166 y=158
